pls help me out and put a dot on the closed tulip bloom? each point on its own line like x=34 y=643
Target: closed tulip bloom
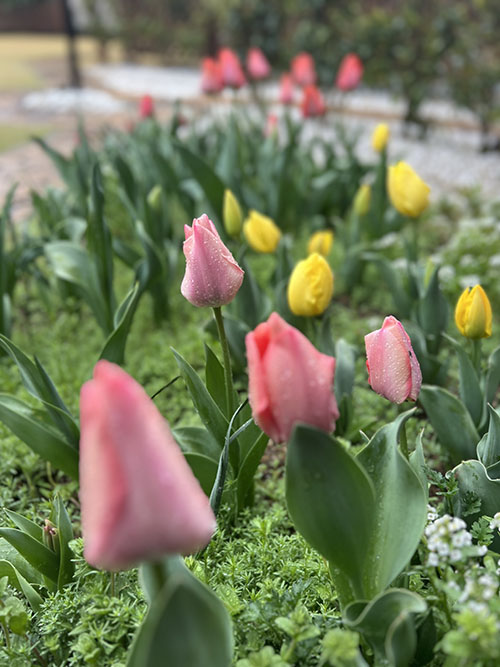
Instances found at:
x=407 y=191
x=320 y=242
x=262 y=233
x=289 y=380
x=211 y=76
x=312 y=103
x=139 y=498
x=380 y=137
x=393 y=368
x=286 y=89
x=350 y=72
x=146 y=107
x=362 y=200
x=310 y=288
x=303 y=69
x=231 y=70
x=231 y=214
x=258 y=66
x=212 y=275
x=271 y=129
x=473 y=313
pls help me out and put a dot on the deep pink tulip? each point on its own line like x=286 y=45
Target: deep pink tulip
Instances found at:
x=350 y=72
x=303 y=69
x=258 y=66
x=286 y=89
x=211 y=76
x=312 y=103
x=212 y=275
x=146 y=107
x=139 y=498
x=393 y=368
x=289 y=380
x=231 y=70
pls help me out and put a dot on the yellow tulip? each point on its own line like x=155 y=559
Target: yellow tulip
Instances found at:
x=407 y=191
x=362 y=200
x=310 y=288
x=231 y=214
x=380 y=137
x=320 y=242
x=473 y=313
x=261 y=233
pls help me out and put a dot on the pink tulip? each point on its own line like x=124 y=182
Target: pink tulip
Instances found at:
x=303 y=70
x=289 y=380
x=350 y=72
x=312 y=103
x=146 y=107
x=139 y=498
x=211 y=76
x=258 y=65
x=212 y=275
x=393 y=368
x=231 y=70
x=286 y=89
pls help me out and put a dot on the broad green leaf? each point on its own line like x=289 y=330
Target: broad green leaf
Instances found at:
x=248 y=468
x=469 y=387
x=197 y=440
x=331 y=500
x=400 y=507
x=26 y=525
x=17 y=581
x=433 y=311
x=214 y=378
x=473 y=479
x=186 y=626
x=114 y=347
x=24 y=422
x=493 y=375
x=345 y=356
x=206 y=177
x=417 y=462
x=204 y=469
x=42 y=559
x=451 y=421
x=401 y=640
x=488 y=449
x=64 y=528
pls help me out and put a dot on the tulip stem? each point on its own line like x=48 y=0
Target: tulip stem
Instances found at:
x=476 y=355
x=228 y=375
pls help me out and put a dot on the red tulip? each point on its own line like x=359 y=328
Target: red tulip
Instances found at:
x=231 y=70
x=146 y=107
x=303 y=70
x=393 y=368
x=350 y=72
x=286 y=89
x=212 y=275
x=258 y=65
x=211 y=76
x=289 y=380
x=312 y=103
x=139 y=498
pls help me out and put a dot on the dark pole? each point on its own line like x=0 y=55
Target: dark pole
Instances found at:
x=75 y=79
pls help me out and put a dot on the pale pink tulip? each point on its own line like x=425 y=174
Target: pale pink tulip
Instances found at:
x=289 y=380
x=312 y=103
x=393 y=368
x=211 y=76
x=146 y=107
x=231 y=70
x=139 y=498
x=212 y=275
x=303 y=69
x=286 y=89
x=350 y=72
x=258 y=66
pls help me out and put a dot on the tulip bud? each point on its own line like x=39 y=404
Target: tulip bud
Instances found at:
x=146 y=107
x=407 y=191
x=211 y=76
x=380 y=137
x=258 y=66
x=154 y=197
x=393 y=368
x=50 y=537
x=473 y=313
x=261 y=233
x=303 y=69
x=320 y=242
x=310 y=288
x=312 y=103
x=230 y=69
x=350 y=72
x=231 y=214
x=362 y=200
x=139 y=497
x=212 y=276
x=289 y=380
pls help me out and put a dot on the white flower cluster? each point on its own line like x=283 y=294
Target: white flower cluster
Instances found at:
x=449 y=541
x=495 y=522
x=480 y=586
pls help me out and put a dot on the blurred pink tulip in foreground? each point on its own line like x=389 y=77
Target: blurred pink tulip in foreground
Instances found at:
x=231 y=70
x=258 y=66
x=393 y=368
x=211 y=76
x=289 y=380
x=303 y=69
x=350 y=72
x=139 y=498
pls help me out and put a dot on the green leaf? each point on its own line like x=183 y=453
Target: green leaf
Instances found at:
x=114 y=347
x=469 y=387
x=186 y=626
x=433 y=311
x=451 y=421
x=400 y=507
x=17 y=581
x=345 y=355
x=204 y=469
x=331 y=500
x=251 y=302
x=26 y=525
x=392 y=278
x=206 y=177
x=493 y=375
x=488 y=449
x=24 y=422
x=248 y=468
x=42 y=559
x=401 y=640
x=62 y=522
x=214 y=378
x=198 y=440
x=417 y=462
x=473 y=479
